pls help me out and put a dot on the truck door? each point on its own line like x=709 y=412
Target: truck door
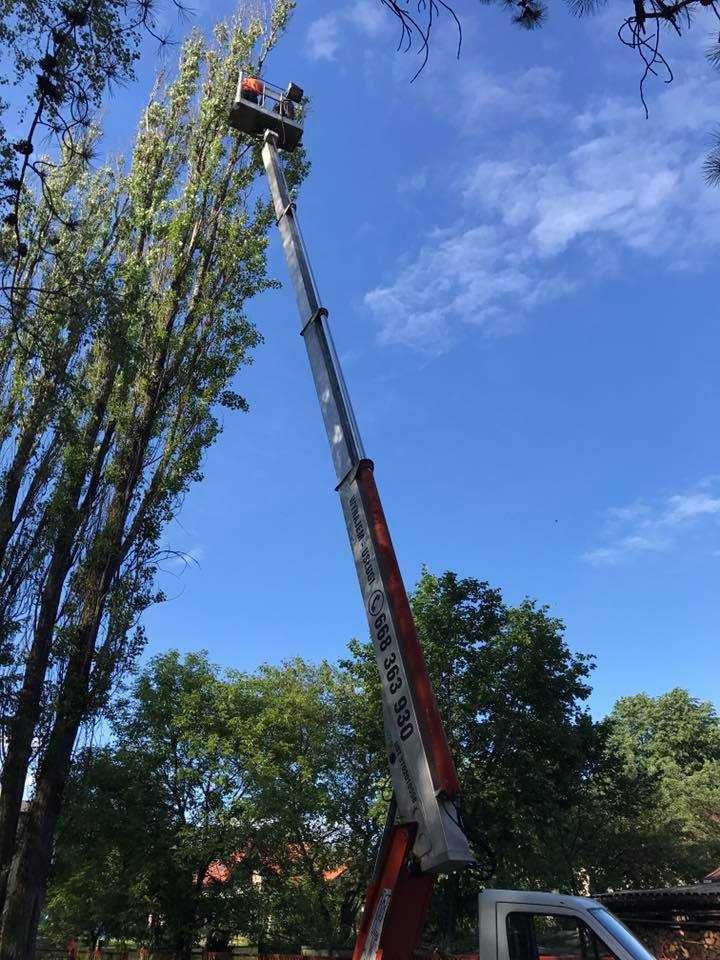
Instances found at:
x=537 y=935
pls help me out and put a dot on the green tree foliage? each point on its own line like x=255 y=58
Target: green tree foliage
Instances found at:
x=510 y=693
x=314 y=772
x=292 y=761
x=114 y=827
x=604 y=831
x=176 y=781
x=233 y=801
x=181 y=727
x=674 y=741
x=61 y=58
x=314 y=780
x=645 y=808
x=109 y=390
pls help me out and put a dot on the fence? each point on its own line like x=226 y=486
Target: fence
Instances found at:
x=665 y=943
x=145 y=953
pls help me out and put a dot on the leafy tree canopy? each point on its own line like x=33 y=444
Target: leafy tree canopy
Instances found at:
x=125 y=328
x=267 y=791
x=674 y=739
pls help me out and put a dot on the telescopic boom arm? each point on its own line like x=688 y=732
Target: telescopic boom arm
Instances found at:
x=428 y=837
x=424 y=834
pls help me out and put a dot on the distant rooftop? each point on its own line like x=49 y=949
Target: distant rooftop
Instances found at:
x=697 y=905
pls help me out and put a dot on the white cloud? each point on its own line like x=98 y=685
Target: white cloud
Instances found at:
x=477 y=274
x=644 y=528
x=413 y=182
x=323 y=38
x=181 y=559
x=325 y=35
x=477 y=95
x=690 y=506
x=600 y=184
x=633 y=511
x=367 y=16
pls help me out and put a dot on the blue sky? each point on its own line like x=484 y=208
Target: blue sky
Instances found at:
x=520 y=273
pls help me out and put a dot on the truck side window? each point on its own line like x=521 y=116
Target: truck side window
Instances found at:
x=553 y=936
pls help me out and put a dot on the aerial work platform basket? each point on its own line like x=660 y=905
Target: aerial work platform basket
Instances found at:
x=261 y=106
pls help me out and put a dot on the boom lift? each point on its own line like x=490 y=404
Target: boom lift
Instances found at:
x=424 y=836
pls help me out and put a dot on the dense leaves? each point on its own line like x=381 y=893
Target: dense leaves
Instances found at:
x=674 y=741
x=234 y=799
x=61 y=57
x=113 y=362
x=175 y=782
x=279 y=779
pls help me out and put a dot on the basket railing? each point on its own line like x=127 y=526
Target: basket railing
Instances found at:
x=271 y=97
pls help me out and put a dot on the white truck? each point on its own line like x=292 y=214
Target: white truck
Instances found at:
x=524 y=925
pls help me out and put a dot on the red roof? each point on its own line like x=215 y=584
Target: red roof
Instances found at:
x=219 y=872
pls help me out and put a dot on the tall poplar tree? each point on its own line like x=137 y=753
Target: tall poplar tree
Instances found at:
x=59 y=58
x=109 y=389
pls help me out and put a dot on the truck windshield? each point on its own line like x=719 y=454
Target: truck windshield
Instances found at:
x=621 y=934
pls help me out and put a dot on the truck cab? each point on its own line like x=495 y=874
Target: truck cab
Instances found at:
x=524 y=925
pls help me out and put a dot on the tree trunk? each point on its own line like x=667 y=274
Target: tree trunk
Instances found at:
x=22 y=727
x=348 y=916
x=183 y=950
x=30 y=868
x=27 y=879
x=24 y=722
x=47 y=405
